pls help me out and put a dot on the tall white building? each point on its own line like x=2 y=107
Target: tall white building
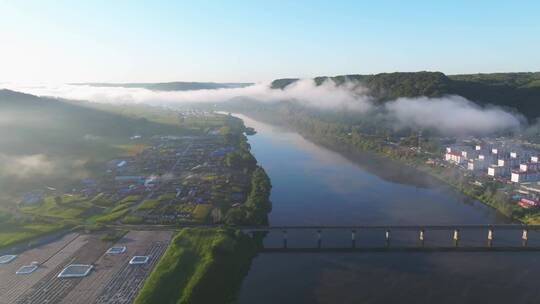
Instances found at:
x=454 y=157
x=519 y=176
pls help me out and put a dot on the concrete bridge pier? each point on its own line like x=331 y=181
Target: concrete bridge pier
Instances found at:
x=525 y=237
x=284 y=238
x=421 y=237
x=455 y=237
x=319 y=239
x=353 y=238
x=490 y=237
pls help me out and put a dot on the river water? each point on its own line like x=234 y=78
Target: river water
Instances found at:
x=313 y=185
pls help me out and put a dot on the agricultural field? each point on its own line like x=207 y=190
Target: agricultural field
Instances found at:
x=110 y=280
x=66 y=206
x=13 y=233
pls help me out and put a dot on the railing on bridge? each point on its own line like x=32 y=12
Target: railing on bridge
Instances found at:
x=456 y=232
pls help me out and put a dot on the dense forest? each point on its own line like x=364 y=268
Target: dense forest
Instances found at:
x=520 y=91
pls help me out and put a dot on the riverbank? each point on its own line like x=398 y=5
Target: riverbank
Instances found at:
x=201 y=265
x=489 y=192
x=208 y=265
x=255 y=210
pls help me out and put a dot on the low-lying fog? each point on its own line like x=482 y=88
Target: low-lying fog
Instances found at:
x=449 y=115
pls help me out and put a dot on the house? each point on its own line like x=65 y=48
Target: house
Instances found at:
x=527 y=203
x=528 y=175
x=498 y=171
x=454 y=157
x=477 y=164
x=468 y=153
x=532 y=166
x=31 y=199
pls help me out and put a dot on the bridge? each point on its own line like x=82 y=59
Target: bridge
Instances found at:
x=360 y=238
x=513 y=237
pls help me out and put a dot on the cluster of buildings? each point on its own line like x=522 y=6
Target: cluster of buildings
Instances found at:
x=506 y=164
x=174 y=174
x=509 y=164
x=168 y=180
x=186 y=173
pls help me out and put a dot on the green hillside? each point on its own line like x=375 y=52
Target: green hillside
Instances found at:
x=520 y=91
x=45 y=141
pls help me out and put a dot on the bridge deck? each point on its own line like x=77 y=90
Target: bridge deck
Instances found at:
x=399 y=249
x=392 y=227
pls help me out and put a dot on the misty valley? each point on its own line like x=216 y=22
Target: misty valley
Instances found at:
x=97 y=169
x=242 y=152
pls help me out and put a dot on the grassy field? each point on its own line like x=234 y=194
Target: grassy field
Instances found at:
x=201 y=265
x=201 y=211
x=62 y=206
x=11 y=234
x=131 y=149
x=113 y=214
x=148 y=204
x=131 y=199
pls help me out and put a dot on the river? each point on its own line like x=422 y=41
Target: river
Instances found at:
x=313 y=185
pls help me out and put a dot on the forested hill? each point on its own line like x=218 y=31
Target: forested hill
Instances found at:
x=46 y=141
x=514 y=90
x=171 y=86
x=31 y=124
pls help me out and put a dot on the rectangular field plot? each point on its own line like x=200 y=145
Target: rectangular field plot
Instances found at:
x=79 y=269
x=76 y=271
x=113 y=279
x=49 y=256
x=49 y=288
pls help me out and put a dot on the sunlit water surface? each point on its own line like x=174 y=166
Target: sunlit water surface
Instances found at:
x=312 y=186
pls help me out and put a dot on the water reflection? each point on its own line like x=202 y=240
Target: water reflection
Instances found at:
x=312 y=185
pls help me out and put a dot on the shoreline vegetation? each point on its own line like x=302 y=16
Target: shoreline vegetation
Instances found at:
x=194 y=266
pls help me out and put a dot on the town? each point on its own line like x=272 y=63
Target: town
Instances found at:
x=505 y=161
x=89 y=248
x=163 y=180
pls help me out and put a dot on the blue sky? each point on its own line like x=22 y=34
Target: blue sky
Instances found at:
x=128 y=41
